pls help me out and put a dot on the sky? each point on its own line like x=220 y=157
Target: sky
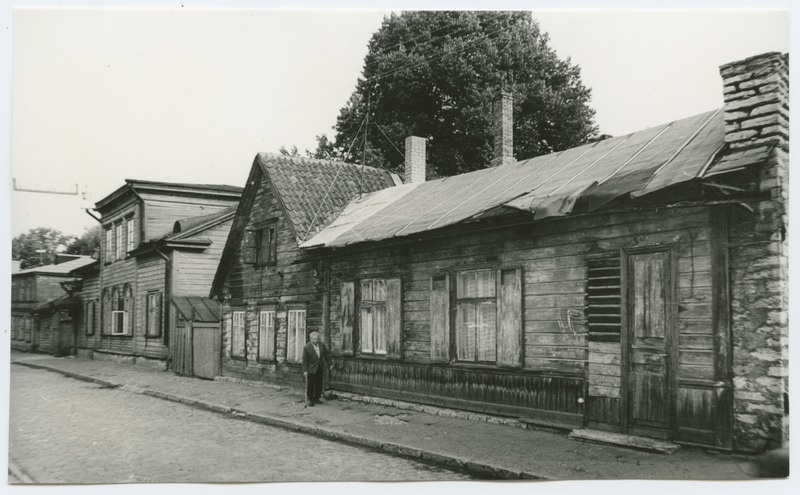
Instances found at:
x=192 y=94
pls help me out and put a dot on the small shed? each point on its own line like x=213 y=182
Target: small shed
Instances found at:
x=197 y=336
x=55 y=324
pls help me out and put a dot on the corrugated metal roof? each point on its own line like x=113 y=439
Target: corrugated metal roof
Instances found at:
x=548 y=185
x=59 y=269
x=201 y=309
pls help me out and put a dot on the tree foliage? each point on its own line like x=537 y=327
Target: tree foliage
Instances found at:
x=88 y=244
x=38 y=246
x=434 y=74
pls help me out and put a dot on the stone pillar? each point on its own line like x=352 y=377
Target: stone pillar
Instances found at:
x=503 y=129
x=756 y=118
x=415 y=160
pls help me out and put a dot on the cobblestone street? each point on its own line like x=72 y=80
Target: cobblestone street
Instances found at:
x=68 y=431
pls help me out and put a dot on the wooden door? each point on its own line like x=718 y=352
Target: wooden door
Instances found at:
x=206 y=345
x=648 y=340
x=181 y=349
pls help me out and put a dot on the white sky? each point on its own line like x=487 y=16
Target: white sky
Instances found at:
x=192 y=95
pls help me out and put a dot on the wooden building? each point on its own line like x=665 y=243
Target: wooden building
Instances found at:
x=271 y=296
x=34 y=289
x=635 y=284
x=160 y=240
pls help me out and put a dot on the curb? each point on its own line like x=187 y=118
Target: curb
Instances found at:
x=482 y=470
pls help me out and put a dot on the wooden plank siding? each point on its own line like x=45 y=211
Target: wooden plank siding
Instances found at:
x=552 y=258
x=163 y=212
x=194 y=271
x=289 y=284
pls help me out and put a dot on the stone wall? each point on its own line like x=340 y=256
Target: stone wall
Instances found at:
x=756 y=114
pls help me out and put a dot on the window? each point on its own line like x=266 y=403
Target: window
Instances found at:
x=295 y=335
x=603 y=299
x=130 y=235
x=28 y=326
x=109 y=245
x=372 y=319
x=261 y=246
x=237 y=334
x=153 y=311
x=119 y=241
x=476 y=320
x=488 y=325
x=121 y=307
x=266 y=335
x=89 y=318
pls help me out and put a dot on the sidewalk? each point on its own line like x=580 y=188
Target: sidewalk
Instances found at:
x=481 y=448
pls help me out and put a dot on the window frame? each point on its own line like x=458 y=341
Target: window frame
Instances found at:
x=159 y=321
x=119 y=240
x=476 y=301
x=296 y=310
x=267 y=244
x=234 y=314
x=371 y=304
x=261 y=313
x=130 y=233
x=108 y=230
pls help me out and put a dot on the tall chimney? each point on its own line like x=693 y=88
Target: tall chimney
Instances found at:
x=415 y=160
x=756 y=94
x=503 y=129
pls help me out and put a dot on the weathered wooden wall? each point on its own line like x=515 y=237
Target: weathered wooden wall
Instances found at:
x=559 y=364
x=150 y=276
x=162 y=212
x=289 y=284
x=194 y=271
x=90 y=291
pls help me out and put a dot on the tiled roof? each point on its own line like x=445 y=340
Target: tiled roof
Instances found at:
x=59 y=269
x=314 y=192
x=548 y=185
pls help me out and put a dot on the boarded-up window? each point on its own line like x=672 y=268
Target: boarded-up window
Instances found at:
x=237 y=334
x=295 y=335
x=266 y=335
x=347 y=317
x=603 y=299
x=489 y=316
x=153 y=308
x=440 y=319
x=28 y=328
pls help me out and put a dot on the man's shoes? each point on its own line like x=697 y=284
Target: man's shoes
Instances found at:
x=310 y=403
x=320 y=401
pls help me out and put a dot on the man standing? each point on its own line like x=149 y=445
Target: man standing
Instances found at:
x=315 y=357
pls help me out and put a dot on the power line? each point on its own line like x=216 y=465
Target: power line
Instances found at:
x=390 y=141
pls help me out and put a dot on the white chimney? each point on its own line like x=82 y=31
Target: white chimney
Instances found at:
x=415 y=160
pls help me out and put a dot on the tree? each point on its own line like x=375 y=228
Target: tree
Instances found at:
x=38 y=246
x=434 y=74
x=88 y=244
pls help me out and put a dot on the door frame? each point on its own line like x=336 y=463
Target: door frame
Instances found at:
x=671 y=335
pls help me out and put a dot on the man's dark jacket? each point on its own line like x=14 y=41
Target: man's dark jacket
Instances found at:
x=311 y=362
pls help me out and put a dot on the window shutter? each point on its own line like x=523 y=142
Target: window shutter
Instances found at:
x=440 y=316
x=394 y=318
x=347 y=317
x=603 y=298
x=509 y=332
x=249 y=247
x=157 y=315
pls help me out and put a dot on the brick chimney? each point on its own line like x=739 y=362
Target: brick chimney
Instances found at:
x=415 y=160
x=503 y=129
x=756 y=93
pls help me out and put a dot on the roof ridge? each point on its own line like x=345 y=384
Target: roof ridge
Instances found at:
x=335 y=163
